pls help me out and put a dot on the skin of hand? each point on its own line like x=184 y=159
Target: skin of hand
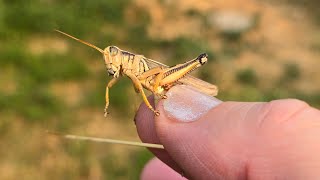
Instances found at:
x=205 y=138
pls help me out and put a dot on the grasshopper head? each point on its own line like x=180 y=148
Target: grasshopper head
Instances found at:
x=112 y=59
x=111 y=54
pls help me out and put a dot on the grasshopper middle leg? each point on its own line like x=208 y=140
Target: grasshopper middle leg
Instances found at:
x=157 y=71
x=138 y=86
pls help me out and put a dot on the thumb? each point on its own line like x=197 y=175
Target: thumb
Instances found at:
x=200 y=133
x=205 y=138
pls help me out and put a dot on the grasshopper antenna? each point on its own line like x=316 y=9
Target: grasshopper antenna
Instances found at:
x=103 y=140
x=83 y=42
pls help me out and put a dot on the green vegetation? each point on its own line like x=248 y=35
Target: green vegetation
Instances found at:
x=291 y=72
x=184 y=49
x=247 y=76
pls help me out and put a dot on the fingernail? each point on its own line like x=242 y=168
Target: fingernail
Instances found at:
x=186 y=104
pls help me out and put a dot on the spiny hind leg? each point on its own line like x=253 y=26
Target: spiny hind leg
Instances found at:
x=109 y=85
x=138 y=86
x=162 y=96
x=159 y=91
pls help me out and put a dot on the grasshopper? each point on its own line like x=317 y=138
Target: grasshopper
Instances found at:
x=149 y=74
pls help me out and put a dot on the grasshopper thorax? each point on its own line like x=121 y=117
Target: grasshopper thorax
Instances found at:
x=112 y=59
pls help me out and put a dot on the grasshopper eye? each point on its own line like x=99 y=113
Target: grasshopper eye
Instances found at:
x=113 y=51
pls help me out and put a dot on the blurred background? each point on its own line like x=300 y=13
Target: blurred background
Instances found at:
x=258 y=51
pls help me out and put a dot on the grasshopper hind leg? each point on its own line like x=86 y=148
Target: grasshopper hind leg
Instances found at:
x=162 y=96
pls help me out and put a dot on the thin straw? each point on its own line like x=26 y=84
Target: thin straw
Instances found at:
x=104 y=140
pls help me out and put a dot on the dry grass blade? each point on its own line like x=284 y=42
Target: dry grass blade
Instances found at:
x=104 y=140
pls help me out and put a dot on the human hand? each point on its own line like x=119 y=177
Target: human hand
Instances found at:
x=205 y=138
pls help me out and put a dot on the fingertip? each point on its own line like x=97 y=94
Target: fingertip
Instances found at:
x=144 y=121
x=145 y=124
x=186 y=104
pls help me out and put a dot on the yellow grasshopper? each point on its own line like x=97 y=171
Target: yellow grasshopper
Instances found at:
x=149 y=74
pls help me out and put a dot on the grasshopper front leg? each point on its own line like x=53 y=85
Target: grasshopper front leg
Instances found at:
x=110 y=84
x=138 y=86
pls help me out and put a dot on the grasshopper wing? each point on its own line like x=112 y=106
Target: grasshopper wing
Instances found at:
x=199 y=84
